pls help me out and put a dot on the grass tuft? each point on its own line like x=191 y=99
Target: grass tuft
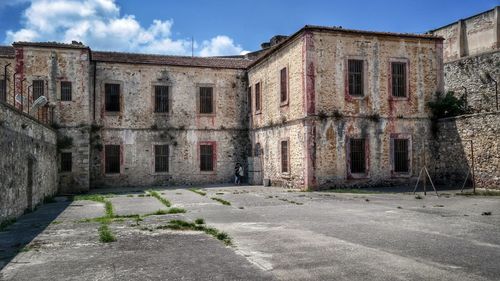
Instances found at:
x=224 y=202
x=161 y=199
x=184 y=225
x=486 y=214
x=93 y=197
x=108 y=206
x=199 y=221
x=197 y=191
x=105 y=234
x=176 y=211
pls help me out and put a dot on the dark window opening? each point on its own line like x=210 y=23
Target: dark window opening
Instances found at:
x=398 y=79
x=112 y=159
x=161 y=99
x=3 y=92
x=38 y=88
x=249 y=97
x=112 y=97
x=161 y=158
x=355 y=77
x=358 y=161
x=66 y=162
x=206 y=157
x=65 y=91
x=258 y=150
x=206 y=100
x=401 y=155
x=284 y=84
x=257 y=97
x=284 y=156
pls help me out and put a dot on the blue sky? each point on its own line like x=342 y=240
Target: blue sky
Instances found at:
x=219 y=27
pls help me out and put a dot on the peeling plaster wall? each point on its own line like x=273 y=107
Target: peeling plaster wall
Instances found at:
x=54 y=65
x=137 y=128
x=23 y=138
x=377 y=115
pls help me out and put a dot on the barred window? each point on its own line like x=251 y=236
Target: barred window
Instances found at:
x=112 y=159
x=257 y=97
x=284 y=156
x=357 y=156
x=66 y=161
x=355 y=68
x=400 y=155
x=206 y=100
x=161 y=99
x=65 y=91
x=112 y=97
x=284 y=85
x=161 y=158
x=38 y=88
x=206 y=157
x=3 y=93
x=398 y=79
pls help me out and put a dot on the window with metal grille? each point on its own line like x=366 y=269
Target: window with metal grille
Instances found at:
x=66 y=161
x=357 y=156
x=206 y=100
x=398 y=79
x=284 y=85
x=112 y=159
x=65 y=91
x=38 y=88
x=161 y=99
x=401 y=155
x=161 y=158
x=257 y=97
x=355 y=68
x=112 y=97
x=284 y=156
x=3 y=94
x=206 y=157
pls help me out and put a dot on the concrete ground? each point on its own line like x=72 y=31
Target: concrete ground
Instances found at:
x=276 y=234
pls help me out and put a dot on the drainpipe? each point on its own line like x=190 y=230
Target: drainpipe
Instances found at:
x=28 y=97
x=5 y=80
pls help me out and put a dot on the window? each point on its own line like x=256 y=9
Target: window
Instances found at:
x=206 y=100
x=161 y=158
x=284 y=85
x=401 y=155
x=357 y=156
x=258 y=150
x=161 y=99
x=257 y=97
x=112 y=159
x=206 y=157
x=249 y=97
x=355 y=68
x=3 y=92
x=38 y=89
x=398 y=79
x=66 y=161
x=65 y=91
x=284 y=156
x=112 y=97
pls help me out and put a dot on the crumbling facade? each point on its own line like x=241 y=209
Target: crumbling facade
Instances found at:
x=324 y=107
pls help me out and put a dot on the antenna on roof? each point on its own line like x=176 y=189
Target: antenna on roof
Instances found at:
x=192 y=46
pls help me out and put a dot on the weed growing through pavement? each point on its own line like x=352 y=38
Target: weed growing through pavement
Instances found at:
x=224 y=202
x=161 y=199
x=184 y=225
x=197 y=191
x=105 y=234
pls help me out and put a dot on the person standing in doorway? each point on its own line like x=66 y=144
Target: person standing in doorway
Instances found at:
x=238 y=173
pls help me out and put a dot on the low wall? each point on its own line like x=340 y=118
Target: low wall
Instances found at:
x=452 y=150
x=28 y=162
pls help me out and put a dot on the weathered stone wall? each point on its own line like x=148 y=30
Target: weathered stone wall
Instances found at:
x=3 y=62
x=277 y=121
x=137 y=128
x=452 y=149
x=465 y=76
x=471 y=36
x=28 y=151
x=71 y=118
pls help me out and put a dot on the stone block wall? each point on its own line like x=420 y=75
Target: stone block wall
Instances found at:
x=28 y=172
x=452 y=149
x=464 y=76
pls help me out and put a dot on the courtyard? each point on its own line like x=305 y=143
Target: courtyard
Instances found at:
x=255 y=233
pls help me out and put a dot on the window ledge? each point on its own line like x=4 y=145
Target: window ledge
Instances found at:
x=112 y=113
x=258 y=112
x=284 y=104
x=358 y=176
x=356 y=97
x=401 y=175
x=206 y=114
x=400 y=98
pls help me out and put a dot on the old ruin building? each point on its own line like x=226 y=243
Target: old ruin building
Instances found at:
x=323 y=107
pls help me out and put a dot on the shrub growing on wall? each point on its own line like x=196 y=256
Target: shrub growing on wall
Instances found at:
x=448 y=105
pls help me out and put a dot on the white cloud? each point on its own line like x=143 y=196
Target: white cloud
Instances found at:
x=99 y=24
x=219 y=46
